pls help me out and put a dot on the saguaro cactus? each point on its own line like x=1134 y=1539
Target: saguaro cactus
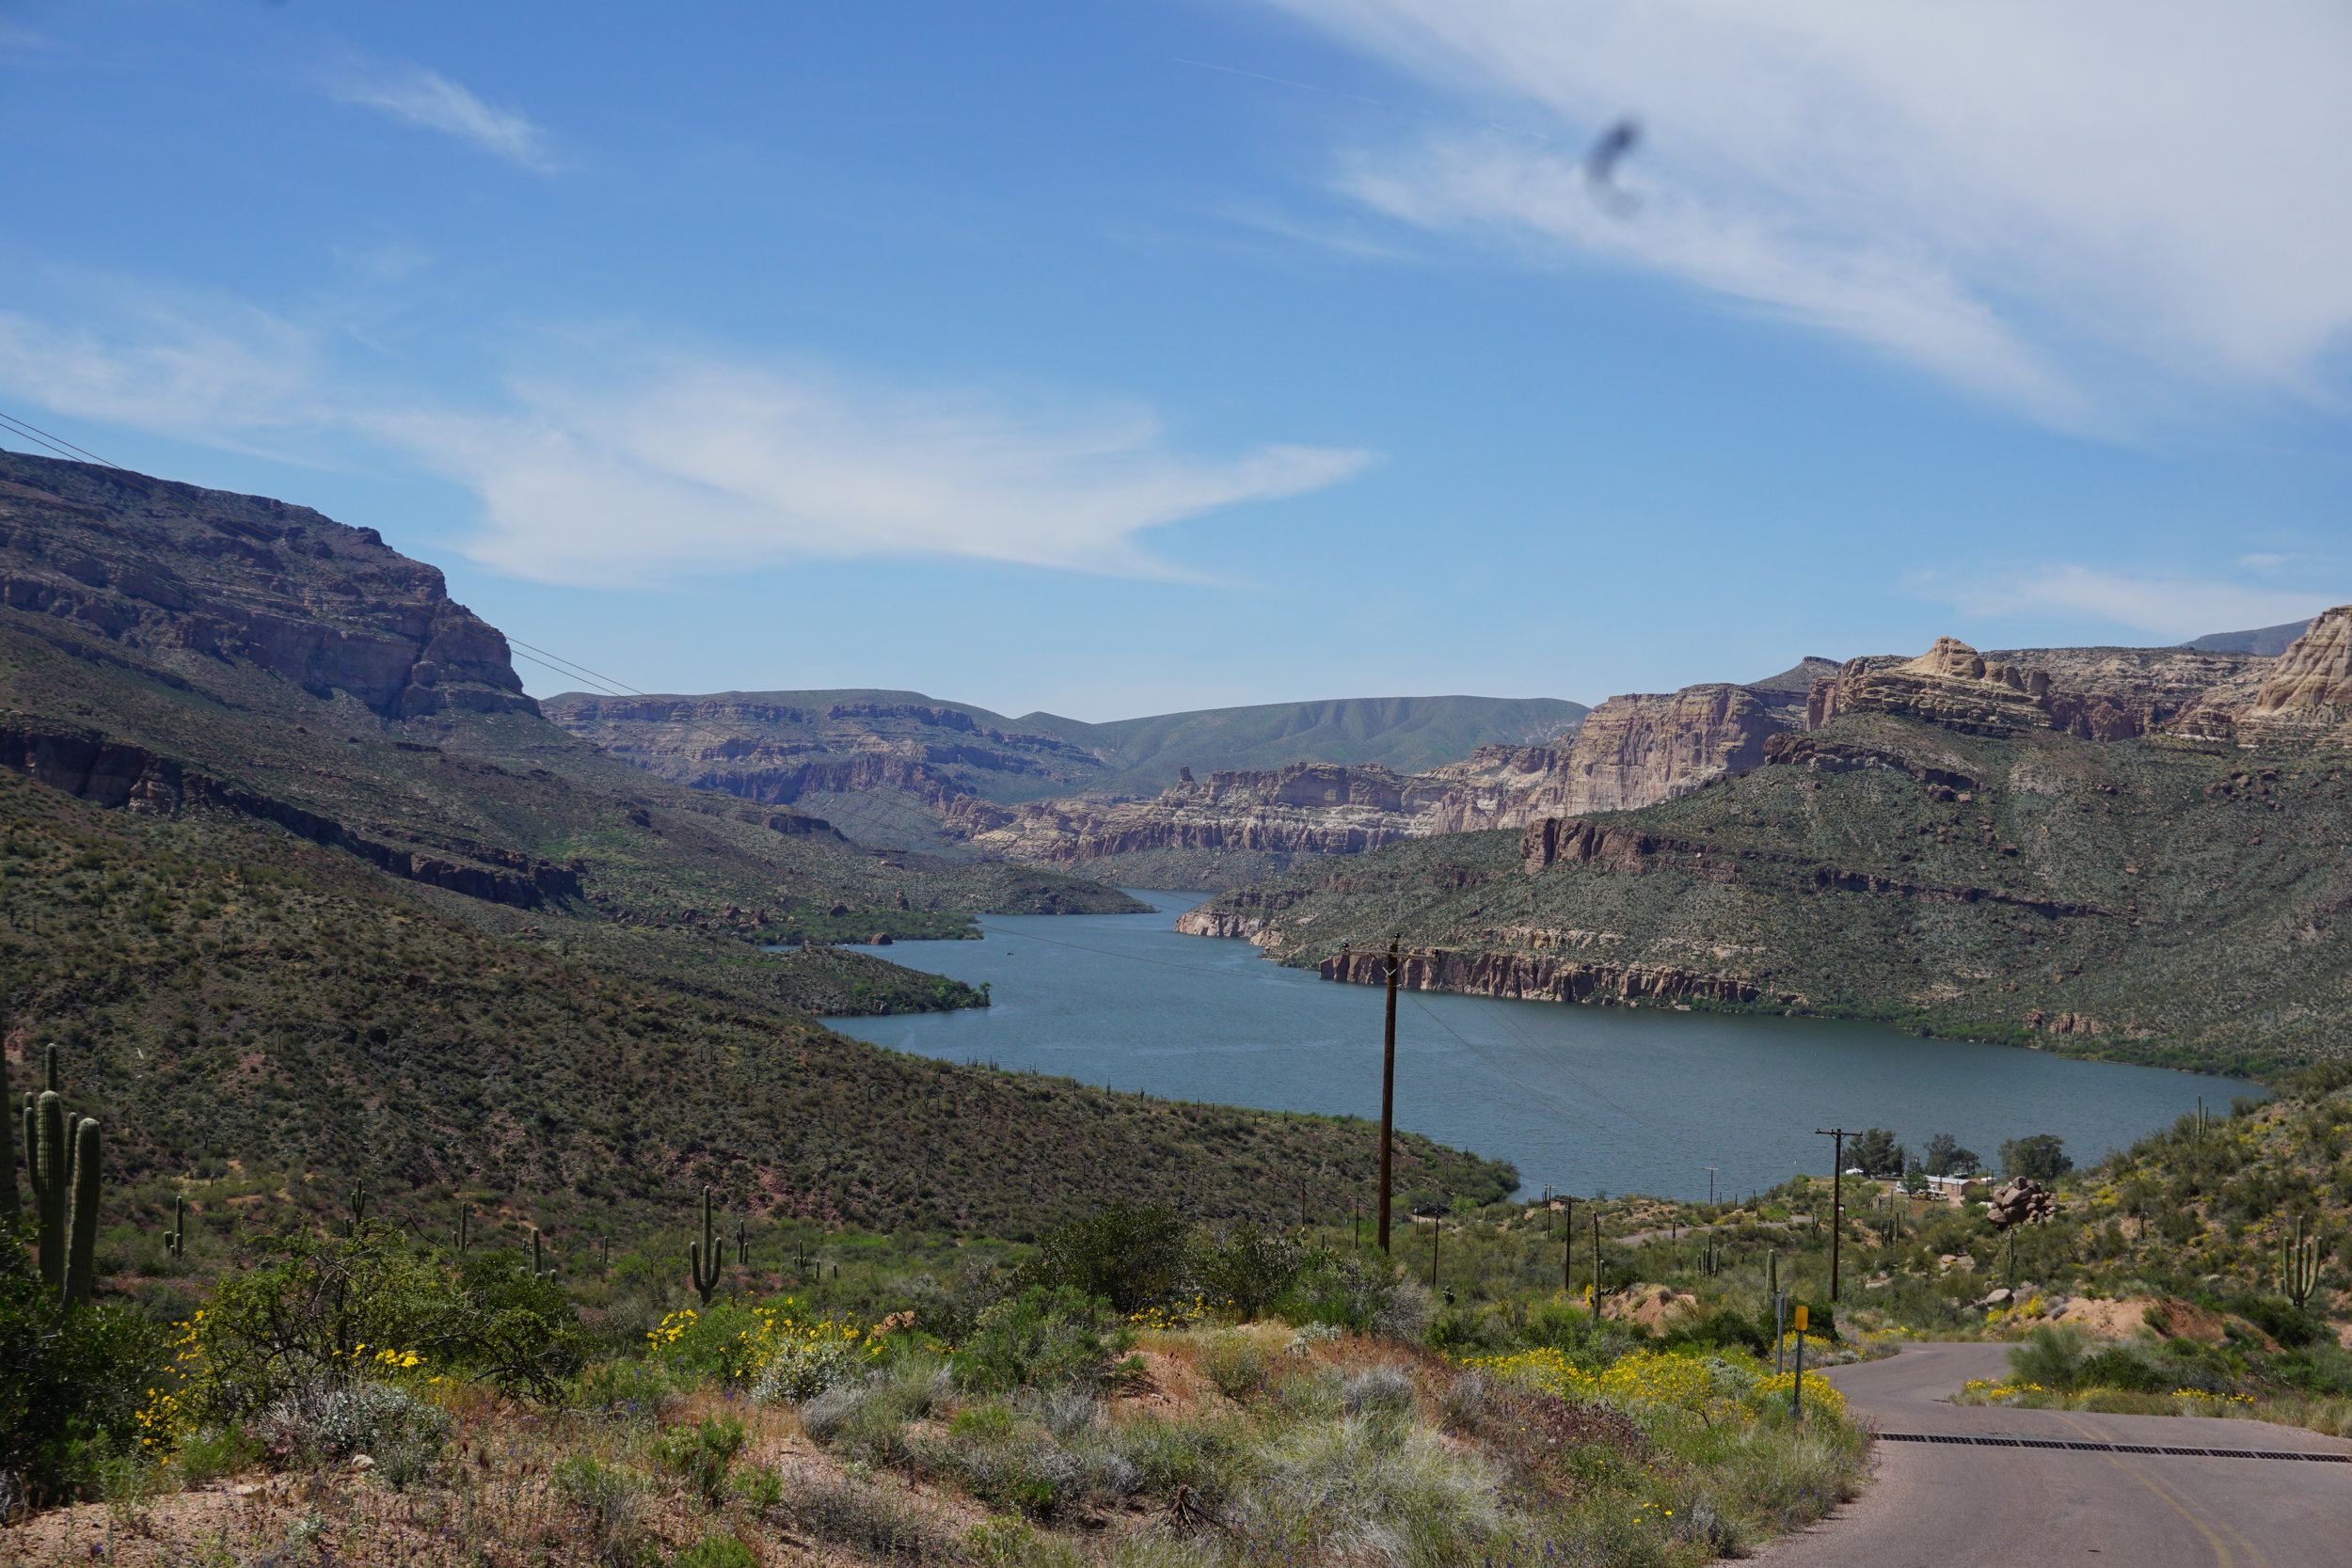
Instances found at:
x=540 y=1267
x=81 y=1277
x=176 y=1239
x=465 y=1226
x=704 y=1258
x=7 y=1143
x=51 y=1159
x=2298 y=1263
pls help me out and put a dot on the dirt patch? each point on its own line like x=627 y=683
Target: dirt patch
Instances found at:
x=2110 y=1317
x=1653 y=1306
x=2182 y=1321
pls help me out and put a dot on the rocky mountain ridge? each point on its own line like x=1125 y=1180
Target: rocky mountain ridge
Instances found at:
x=180 y=652
x=1960 y=843
x=902 y=769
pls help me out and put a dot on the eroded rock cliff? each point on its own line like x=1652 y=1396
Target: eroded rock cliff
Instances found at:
x=180 y=572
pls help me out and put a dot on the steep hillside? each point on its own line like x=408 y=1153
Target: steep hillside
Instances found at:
x=229 y=996
x=1944 y=853
x=164 y=647
x=902 y=769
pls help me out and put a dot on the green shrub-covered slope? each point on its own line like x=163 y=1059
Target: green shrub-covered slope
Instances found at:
x=258 y=652
x=227 y=998
x=2144 y=900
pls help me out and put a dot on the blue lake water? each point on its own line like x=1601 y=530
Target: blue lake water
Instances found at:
x=1579 y=1097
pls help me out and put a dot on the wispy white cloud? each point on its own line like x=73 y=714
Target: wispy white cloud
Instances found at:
x=629 y=464
x=687 y=465
x=431 y=99
x=2173 y=608
x=2017 y=196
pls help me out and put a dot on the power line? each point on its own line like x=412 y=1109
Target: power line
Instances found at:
x=545 y=665
x=57 y=444
x=582 y=672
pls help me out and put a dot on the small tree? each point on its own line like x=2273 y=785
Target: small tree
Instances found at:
x=1877 y=1153
x=2042 y=1157
x=1945 y=1157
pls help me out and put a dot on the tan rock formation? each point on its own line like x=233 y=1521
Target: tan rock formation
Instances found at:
x=2305 y=697
x=2316 y=671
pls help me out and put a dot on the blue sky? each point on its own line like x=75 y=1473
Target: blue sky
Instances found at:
x=1115 y=360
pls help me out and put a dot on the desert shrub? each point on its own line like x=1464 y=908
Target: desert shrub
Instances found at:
x=701 y=1455
x=2051 y=1356
x=1203 y=1460
x=327 y=1422
x=715 y=1551
x=68 y=1379
x=1377 y=1391
x=1041 y=1337
x=860 y=1515
x=1236 y=1363
x=612 y=1499
x=212 y=1452
x=718 y=1343
x=1244 y=1269
x=324 y=1311
x=867 y=1419
x=1129 y=1256
x=1351 y=1290
x=628 y=1391
x=1353 y=1489
x=801 y=1366
x=2120 y=1367
x=1008 y=1464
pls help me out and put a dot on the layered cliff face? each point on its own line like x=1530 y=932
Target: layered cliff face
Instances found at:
x=888 y=767
x=184 y=574
x=2095 y=693
x=220 y=659
x=2138 y=899
x=900 y=768
x=1303 y=810
x=2305 y=697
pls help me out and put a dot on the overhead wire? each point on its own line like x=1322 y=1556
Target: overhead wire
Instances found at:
x=577 y=671
x=57 y=444
x=545 y=665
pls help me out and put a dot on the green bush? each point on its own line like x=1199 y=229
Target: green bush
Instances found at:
x=327 y=1311
x=70 y=1379
x=715 y=1551
x=1236 y=1363
x=701 y=1456
x=1244 y=1269
x=1132 y=1257
x=611 y=1499
x=1057 y=1338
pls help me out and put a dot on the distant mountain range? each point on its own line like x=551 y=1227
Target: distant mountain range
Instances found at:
x=2268 y=640
x=903 y=769
x=2134 y=853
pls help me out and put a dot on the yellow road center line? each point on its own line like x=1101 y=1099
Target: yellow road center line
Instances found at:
x=2221 y=1552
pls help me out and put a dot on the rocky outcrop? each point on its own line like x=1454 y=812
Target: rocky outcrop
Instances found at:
x=932 y=756
x=2022 y=1201
x=1305 y=809
x=1629 y=851
x=192 y=574
x=1530 y=978
x=2306 y=696
x=2097 y=693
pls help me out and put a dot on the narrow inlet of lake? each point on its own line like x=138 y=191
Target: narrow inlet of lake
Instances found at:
x=1580 y=1098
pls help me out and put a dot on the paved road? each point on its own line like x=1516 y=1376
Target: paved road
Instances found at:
x=1951 y=1506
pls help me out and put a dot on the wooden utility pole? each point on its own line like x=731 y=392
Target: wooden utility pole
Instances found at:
x=1567 y=1251
x=1388 y=1096
x=1836 y=1197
